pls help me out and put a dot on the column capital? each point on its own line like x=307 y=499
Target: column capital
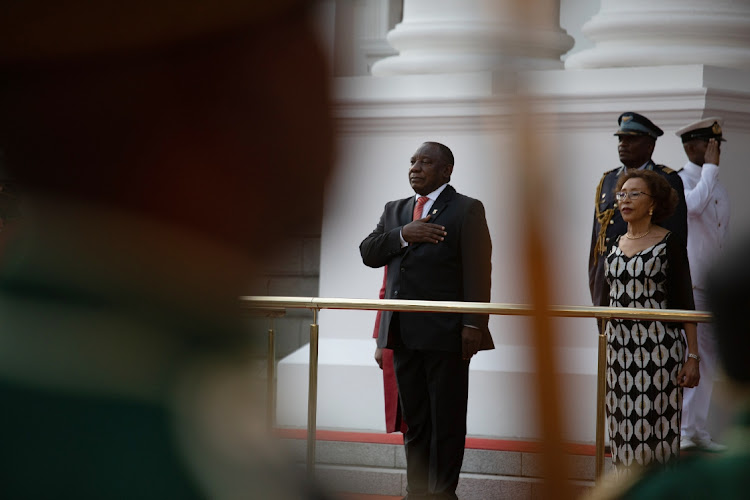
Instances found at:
x=455 y=36
x=667 y=32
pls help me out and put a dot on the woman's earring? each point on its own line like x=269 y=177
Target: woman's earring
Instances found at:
x=651 y=211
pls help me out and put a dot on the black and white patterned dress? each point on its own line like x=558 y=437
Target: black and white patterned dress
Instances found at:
x=644 y=402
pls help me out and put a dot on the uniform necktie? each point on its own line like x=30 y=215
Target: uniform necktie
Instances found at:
x=419 y=207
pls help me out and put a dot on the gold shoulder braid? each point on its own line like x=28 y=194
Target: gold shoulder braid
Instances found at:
x=666 y=169
x=603 y=218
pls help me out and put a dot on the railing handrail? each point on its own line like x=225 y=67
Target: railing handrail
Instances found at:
x=273 y=304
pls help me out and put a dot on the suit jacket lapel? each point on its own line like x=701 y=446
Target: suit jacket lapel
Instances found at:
x=441 y=203
x=407 y=211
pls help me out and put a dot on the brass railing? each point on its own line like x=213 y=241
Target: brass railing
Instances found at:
x=275 y=306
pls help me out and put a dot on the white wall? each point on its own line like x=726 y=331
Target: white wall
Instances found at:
x=383 y=120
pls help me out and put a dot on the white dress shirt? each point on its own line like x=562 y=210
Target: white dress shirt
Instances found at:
x=708 y=217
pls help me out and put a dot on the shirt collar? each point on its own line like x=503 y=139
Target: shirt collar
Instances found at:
x=433 y=195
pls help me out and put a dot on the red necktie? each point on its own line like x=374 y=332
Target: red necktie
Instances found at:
x=419 y=207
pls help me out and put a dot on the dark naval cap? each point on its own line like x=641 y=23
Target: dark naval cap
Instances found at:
x=708 y=128
x=634 y=124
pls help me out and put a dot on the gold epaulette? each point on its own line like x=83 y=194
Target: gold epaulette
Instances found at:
x=666 y=169
x=603 y=218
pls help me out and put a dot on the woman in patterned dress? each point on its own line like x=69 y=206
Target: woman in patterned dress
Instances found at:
x=646 y=363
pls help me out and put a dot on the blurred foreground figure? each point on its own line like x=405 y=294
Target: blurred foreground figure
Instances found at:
x=723 y=475
x=160 y=148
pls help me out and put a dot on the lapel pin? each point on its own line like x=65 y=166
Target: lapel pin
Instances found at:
x=434 y=211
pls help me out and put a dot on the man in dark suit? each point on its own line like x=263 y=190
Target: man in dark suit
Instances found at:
x=636 y=141
x=437 y=247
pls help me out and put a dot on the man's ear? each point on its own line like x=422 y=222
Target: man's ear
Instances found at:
x=447 y=171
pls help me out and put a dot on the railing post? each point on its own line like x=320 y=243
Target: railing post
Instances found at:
x=600 y=401
x=271 y=377
x=312 y=396
x=276 y=305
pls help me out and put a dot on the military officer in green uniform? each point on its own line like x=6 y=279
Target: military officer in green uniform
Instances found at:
x=636 y=140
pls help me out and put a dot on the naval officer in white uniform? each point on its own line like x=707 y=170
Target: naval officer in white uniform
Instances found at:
x=708 y=221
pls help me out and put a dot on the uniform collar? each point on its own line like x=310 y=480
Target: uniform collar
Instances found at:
x=649 y=165
x=692 y=169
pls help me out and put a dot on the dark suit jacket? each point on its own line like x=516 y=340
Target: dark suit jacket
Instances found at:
x=456 y=269
x=605 y=198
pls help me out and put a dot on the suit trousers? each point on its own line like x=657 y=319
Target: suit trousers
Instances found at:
x=434 y=388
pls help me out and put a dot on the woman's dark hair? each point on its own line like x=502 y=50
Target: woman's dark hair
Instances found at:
x=664 y=196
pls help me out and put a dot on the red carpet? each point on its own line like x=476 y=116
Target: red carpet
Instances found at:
x=471 y=443
x=360 y=496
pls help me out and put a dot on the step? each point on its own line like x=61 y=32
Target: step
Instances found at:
x=371 y=463
x=392 y=483
x=364 y=496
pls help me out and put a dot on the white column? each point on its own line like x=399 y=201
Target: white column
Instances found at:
x=667 y=32
x=376 y=19
x=456 y=36
x=361 y=30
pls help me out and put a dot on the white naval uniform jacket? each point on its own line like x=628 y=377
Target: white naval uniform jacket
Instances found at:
x=708 y=217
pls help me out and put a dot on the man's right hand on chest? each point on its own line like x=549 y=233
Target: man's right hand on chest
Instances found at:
x=421 y=231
